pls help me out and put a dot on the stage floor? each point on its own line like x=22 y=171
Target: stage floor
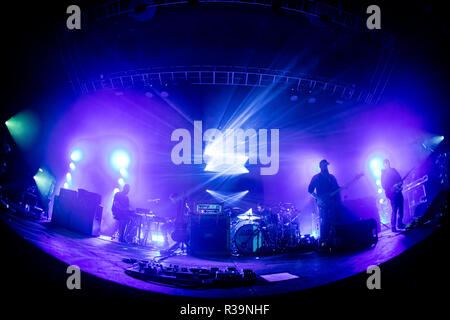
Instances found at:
x=103 y=258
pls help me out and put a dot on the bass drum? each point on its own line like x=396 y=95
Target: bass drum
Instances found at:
x=248 y=237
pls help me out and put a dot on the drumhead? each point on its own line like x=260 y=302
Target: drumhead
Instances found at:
x=248 y=238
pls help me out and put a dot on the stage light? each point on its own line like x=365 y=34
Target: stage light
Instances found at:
x=66 y=185
x=380 y=190
x=432 y=143
x=69 y=176
x=159 y=238
x=72 y=166
x=377 y=173
x=225 y=163
x=121 y=182
x=375 y=164
x=378 y=182
x=76 y=155
x=381 y=201
x=120 y=159
x=116 y=190
x=123 y=172
x=40 y=170
x=227 y=198
x=24 y=128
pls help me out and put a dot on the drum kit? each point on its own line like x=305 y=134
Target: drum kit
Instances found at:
x=265 y=230
x=268 y=230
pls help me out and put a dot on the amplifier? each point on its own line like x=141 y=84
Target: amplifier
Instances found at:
x=357 y=235
x=209 y=208
x=63 y=207
x=209 y=235
x=88 y=216
x=78 y=211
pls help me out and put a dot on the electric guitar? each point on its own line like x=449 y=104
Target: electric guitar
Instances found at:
x=323 y=200
x=398 y=187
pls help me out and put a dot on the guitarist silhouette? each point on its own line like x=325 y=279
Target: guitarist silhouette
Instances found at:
x=326 y=190
x=321 y=187
x=391 y=181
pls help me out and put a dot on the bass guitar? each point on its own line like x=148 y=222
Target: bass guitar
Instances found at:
x=324 y=199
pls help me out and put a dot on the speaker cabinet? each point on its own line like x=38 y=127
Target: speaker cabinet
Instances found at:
x=357 y=235
x=78 y=211
x=209 y=235
x=361 y=209
x=63 y=208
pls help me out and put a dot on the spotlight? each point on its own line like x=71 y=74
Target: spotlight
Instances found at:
x=380 y=190
x=121 y=182
x=68 y=176
x=377 y=173
x=40 y=170
x=378 y=182
x=227 y=198
x=120 y=159
x=115 y=190
x=24 y=128
x=123 y=172
x=72 y=166
x=223 y=162
x=375 y=164
x=381 y=201
x=76 y=155
x=158 y=238
x=66 y=185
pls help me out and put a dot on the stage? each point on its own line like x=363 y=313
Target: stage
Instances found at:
x=103 y=258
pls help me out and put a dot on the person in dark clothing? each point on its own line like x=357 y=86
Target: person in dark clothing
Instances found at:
x=321 y=187
x=391 y=181
x=121 y=210
x=174 y=215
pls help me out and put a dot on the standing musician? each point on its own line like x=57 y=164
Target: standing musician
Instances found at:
x=323 y=187
x=121 y=210
x=391 y=181
x=175 y=215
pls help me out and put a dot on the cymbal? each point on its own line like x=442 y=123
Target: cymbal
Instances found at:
x=248 y=217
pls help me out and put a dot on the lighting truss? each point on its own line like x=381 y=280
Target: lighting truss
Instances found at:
x=232 y=76
x=309 y=8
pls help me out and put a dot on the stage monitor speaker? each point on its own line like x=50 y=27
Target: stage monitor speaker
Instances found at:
x=357 y=235
x=63 y=208
x=209 y=235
